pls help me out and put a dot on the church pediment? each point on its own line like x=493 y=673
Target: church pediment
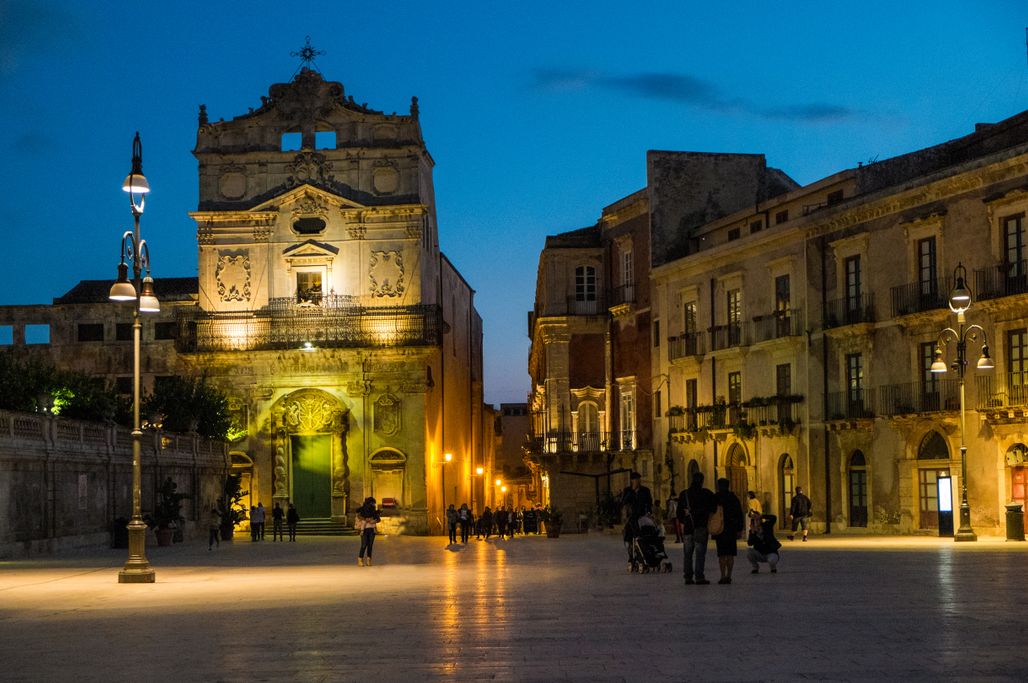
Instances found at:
x=306 y=199
x=310 y=249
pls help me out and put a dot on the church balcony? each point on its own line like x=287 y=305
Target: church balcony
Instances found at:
x=285 y=324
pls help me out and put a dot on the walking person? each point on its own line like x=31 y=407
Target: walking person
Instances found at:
x=695 y=504
x=501 y=521
x=368 y=518
x=292 y=519
x=517 y=521
x=465 y=519
x=764 y=546
x=451 y=523
x=485 y=523
x=671 y=514
x=213 y=528
x=636 y=500
x=731 y=530
x=799 y=513
x=277 y=515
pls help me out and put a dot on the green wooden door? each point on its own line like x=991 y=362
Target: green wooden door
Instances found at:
x=312 y=476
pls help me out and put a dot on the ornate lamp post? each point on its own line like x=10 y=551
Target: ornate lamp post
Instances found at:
x=959 y=302
x=447 y=459
x=139 y=290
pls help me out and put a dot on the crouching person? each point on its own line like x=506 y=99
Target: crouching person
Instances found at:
x=764 y=546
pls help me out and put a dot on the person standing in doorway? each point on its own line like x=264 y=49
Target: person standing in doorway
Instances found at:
x=451 y=523
x=731 y=532
x=695 y=504
x=368 y=518
x=213 y=528
x=799 y=513
x=277 y=515
x=292 y=519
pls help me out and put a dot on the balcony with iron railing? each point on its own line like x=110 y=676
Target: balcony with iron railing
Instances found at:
x=918 y=297
x=1006 y=391
x=915 y=398
x=334 y=323
x=849 y=311
x=852 y=404
x=624 y=294
x=727 y=336
x=564 y=441
x=772 y=411
x=1003 y=279
x=686 y=345
x=776 y=326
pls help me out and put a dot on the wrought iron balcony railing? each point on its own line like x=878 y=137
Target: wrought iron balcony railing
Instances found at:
x=1003 y=279
x=286 y=324
x=917 y=297
x=849 y=311
x=1009 y=392
x=625 y=294
x=756 y=412
x=776 y=326
x=560 y=441
x=727 y=336
x=686 y=345
x=919 y=397
x=852 y=404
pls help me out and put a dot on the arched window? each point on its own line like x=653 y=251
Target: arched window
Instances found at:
x=388 y=467
x=585 y=283
x=933 y=447
x=588 y=427
x=786 y=484
x=858 y=489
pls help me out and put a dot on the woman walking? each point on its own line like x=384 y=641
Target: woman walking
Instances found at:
x=367 y=518
x=734 y=523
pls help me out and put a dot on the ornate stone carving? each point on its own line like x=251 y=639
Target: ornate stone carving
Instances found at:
x=387 y=415
x=309 y=205
x=281 y=479
x=414 y=230
x=309 y=414
x=261 y=233
x=205 y=232
x=386 y=274
x=308 y=167
x=340 y=470
x=357 y=232
x=233 y=276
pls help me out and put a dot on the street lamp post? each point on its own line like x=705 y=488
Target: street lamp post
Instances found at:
x=959 y=302
x=447 y=458
x=479 y=471
x=139 y=290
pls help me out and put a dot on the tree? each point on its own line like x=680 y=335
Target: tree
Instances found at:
x=29 y=383
x=181 y=404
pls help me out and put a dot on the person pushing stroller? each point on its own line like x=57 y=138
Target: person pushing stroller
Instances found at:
x=637 y=502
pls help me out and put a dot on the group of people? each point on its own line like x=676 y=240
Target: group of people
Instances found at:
x=502 y=522
x=290 y=518
x=700 y=514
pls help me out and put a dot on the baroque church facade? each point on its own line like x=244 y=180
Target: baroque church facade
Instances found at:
x=347 y=343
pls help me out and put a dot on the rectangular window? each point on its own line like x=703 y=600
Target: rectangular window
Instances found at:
x=734 y=306
x=91 y=332
x=165 y=330
x=733 y=234
x=658 y=410
x=656 y=333
x=689 y=317
x=927 y=275
x=1017 y=361
x=37 y=334
x=123 y=385
x=853 y=283
x=325 y=139
x=735 y=387
x=123 y=332
x=627 y=268
x=1014 y=245
x=783 y=379
x=855 y=378
x=756 y=226
x=690 y=402
x=834 y=197
x=781 y=216
x=783 y=296
x=291 y=142
x=929 y=379
x=6 y=335
x=308 y=287
x=627 y=421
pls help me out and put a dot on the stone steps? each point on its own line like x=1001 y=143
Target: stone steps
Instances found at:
x=324 y=527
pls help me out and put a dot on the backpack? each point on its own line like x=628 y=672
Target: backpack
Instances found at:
x=716 y=521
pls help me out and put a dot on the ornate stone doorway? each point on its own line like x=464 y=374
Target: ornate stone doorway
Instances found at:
x=310 y=460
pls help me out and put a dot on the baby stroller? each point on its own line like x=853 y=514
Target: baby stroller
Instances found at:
x=646 y=548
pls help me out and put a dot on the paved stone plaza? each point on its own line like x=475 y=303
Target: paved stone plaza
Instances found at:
x=531 y=609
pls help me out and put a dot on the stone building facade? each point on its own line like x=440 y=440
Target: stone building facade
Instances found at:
x=348 y=344
x=799 y=335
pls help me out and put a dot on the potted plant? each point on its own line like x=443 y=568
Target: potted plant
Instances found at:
x=167 y=520
x=230 y=505
x=554 y=520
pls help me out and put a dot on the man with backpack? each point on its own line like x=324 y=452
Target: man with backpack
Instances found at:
x=695 y=505
x=799 y=513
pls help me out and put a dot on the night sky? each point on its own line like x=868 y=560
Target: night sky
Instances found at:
x=537 y=114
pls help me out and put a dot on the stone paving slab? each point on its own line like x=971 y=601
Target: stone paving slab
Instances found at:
x=530 y=609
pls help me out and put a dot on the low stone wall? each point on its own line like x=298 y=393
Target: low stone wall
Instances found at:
x=63 y=483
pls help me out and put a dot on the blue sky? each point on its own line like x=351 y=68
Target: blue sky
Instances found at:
x=537 y=114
